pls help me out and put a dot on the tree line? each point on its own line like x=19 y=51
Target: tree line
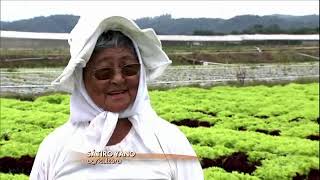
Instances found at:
x=166 y=25
x=260 y=29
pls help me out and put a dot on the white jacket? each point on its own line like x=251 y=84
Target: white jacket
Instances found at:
x=52 y=160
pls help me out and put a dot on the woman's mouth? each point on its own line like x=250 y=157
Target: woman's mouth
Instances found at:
x=117 y=94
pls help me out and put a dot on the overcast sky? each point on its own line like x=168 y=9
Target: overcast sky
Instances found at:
x=16 y=10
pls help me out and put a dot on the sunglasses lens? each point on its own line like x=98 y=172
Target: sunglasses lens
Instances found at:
x=103 y=74
x=107 y=73
x=131 y=70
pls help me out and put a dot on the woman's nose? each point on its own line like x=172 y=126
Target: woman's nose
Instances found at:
x=117 y=76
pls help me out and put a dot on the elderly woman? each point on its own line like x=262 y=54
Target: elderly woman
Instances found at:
x=111 y=60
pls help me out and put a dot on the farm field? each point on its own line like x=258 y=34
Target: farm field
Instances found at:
x=179 y=54
x=254 y=132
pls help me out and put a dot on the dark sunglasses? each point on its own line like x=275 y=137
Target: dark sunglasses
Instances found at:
x=107 y=72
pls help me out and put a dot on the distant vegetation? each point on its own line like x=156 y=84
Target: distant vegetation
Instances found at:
x=260 y=29
x=55 y=24
x=167 y=25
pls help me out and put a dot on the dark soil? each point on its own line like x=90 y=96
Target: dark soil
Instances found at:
x=213 y=114
x=235 y=162
x=314 y=174
x=262 y=116
x=250 y=57
x=241 y=128
x=272 y=133
x=22 y=165
x=35 y=63
x=314 y=137
x=5 y=137
x=297 y=119
x=192 y=123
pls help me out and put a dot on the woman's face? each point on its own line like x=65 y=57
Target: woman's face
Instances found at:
x=116 y=91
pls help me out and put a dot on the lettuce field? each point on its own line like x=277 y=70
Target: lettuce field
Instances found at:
x=255 y=132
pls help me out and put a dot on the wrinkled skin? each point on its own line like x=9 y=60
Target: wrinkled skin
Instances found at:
x=105 y=93
x=117 y=93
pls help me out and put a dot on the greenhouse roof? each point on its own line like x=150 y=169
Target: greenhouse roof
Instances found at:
x=242 y=37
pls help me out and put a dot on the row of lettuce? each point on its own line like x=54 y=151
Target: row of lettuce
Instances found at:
x=293 y=110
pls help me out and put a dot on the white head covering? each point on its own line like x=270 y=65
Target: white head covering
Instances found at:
x=86 y=33
x=83 y=110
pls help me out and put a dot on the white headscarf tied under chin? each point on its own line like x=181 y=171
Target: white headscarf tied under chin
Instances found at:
x=83 y=110
x=86 y=33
